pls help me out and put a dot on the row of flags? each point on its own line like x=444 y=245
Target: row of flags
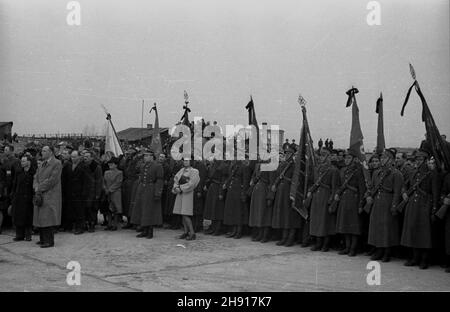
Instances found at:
x=305 y=160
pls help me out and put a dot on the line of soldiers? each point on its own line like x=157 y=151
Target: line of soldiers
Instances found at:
x=395 y=208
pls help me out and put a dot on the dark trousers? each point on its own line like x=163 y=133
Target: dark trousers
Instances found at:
x=23 y=231
x=47 y=235
x=91 y=211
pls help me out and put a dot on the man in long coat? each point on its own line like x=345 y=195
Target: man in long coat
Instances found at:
x=47 y=183
x=322 y=221
x=22 y=200
x=284 y=216
x=235 y=210
x=423 y=201
x=349 y=220
x=444 y=214
x=130 y=177
x=384 y=222
x=74 y=190
x=8 y=170
x=215 y=202
x=147 y=211
x=94 y=185
x=261 y=203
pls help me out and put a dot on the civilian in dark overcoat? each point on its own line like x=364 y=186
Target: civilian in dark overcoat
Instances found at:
x=22 y=200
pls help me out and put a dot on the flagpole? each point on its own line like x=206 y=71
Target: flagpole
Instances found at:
x=142 y=121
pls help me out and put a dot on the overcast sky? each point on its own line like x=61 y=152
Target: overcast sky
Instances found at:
x=54 y=77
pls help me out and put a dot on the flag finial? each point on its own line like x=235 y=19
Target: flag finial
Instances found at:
x=186 y=97
x=412 y=71
x=301 y=101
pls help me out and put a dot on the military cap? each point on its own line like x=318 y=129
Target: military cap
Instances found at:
x=375 y=155
x=390 y=151
x=351 y=152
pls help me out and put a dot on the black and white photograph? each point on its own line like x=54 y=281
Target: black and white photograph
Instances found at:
x=246 y=148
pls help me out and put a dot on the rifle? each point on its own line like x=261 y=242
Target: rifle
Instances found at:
x=411 y=191
x=341 y=190
x=289 y=161
x=368 y=206
x=313 y=189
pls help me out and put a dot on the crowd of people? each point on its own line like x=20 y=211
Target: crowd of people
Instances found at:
x=395 y=208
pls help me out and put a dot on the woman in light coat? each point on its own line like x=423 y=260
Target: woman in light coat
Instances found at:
x=185 y=182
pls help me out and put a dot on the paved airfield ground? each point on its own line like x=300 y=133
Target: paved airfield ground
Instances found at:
x=118 y=261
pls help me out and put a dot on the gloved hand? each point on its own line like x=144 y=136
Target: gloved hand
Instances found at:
x=405 y=197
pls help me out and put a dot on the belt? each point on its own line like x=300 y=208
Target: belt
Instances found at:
x=351 y=188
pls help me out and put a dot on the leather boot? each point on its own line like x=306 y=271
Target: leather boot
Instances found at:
x=346 y=250
x=387 y=255
x=47 y=236
x=353 y=246
x=238 y=232
x=259 y=236
x=318 y=245
x=150 y=232
x=266 y=235
x=291 y=238
x=284 y=238
x=424 y=259
x=378 y=254
x=415 y=260
x=144 y=232
x=232 y=233
x=326 y=244
x=218 y=229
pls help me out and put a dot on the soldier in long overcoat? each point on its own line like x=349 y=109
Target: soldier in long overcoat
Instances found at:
x=261 y=203
x=384 y=223
x=444 y=214
x=147 y=210
x=421 y=203
x=235 y=211
x=284 y=216
x=322 y=221
x=215 y=202
x=130 y=177
x=348 y=220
